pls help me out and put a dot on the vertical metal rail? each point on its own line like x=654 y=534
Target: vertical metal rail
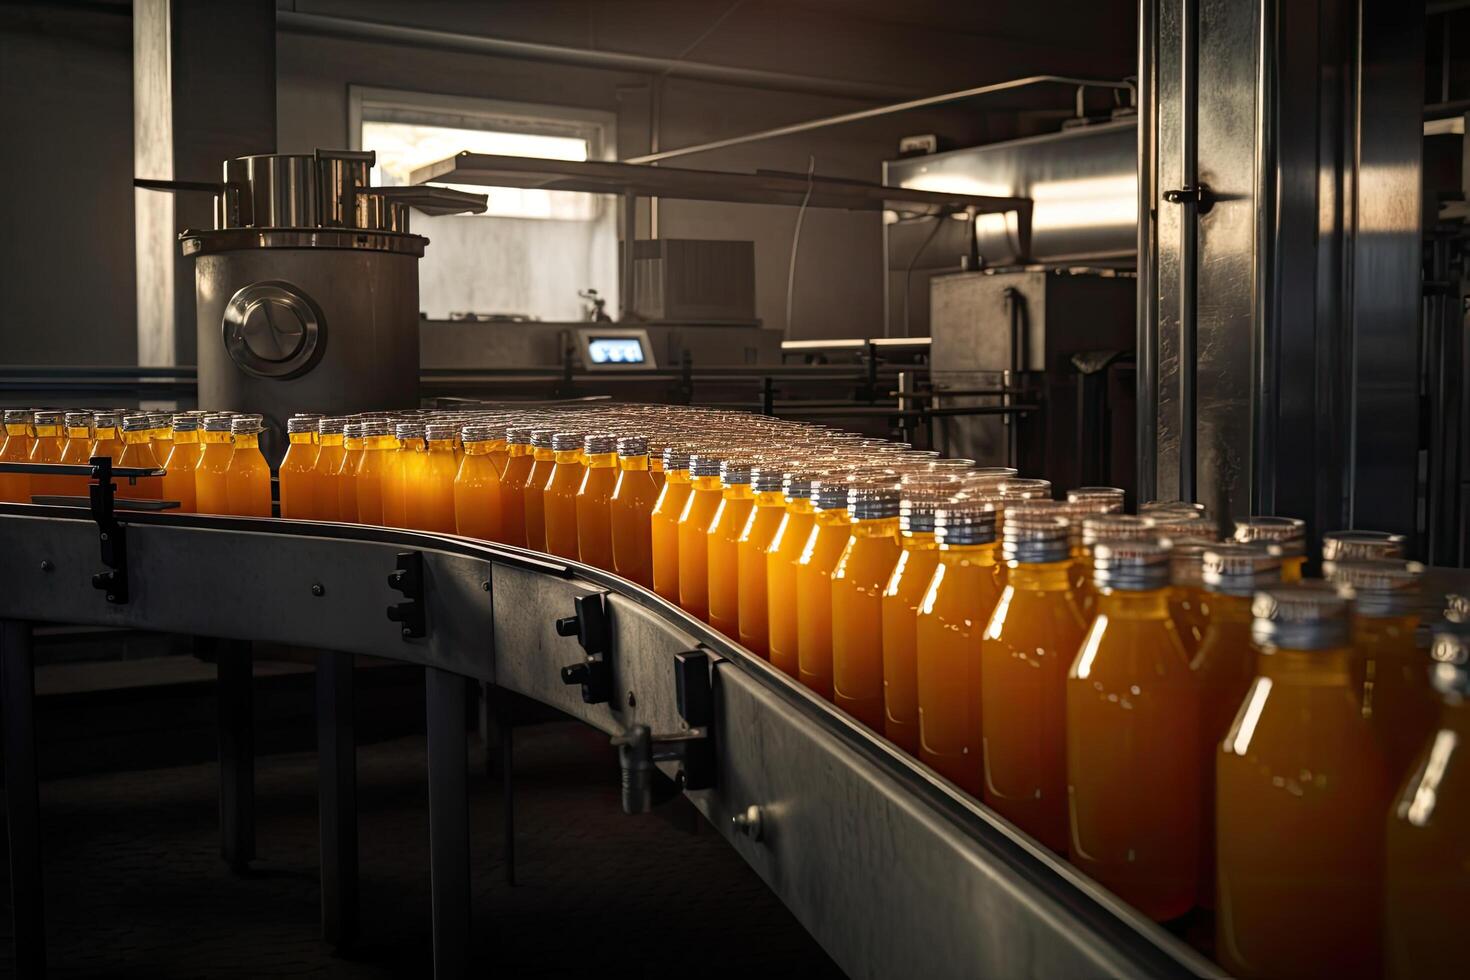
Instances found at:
x=449 y=822
x=236 y=753
x=1265 y=353
x=336 y=747
x=22 y=799
x=626 y=272
x=1147 y=377
x=1188 y=200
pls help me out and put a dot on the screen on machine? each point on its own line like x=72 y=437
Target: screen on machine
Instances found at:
x=615 y=350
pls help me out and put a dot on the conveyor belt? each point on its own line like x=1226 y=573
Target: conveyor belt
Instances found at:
x=893 y=871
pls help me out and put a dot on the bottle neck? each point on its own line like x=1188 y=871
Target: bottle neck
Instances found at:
x=245 y=440
x=567 y=456
x=301 y=439
x=185 y=438
x=602 y=461
x=441 y=446
x=831 y=518
x=515 y=450
x=971 y=554
x=380 y=442
x=876 y=527
x=78 y=432
x=328 y=439
x=48 y=432
x=1055 y=576
x=677 y=476
x=1225 y=608
x=1330 y=666
x=706 y=482
x=496 y=446
x=544 y=455
x=800 y=505
x=633 y=463
x=739 y=491
x=138 y=438
x=1141 y=604
x=477 y=447
x=17 y=429
x=215 y=438
x=770 y=498
x=352 y=444
x=106 y=434
x=918 y=541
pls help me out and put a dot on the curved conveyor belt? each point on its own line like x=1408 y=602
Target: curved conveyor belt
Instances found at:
x=893 y=871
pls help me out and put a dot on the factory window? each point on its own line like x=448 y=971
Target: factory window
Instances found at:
x=532 y=250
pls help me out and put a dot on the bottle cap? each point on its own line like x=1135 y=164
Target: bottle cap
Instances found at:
x=375 y=427
x=444 y=431
x=736 y=471
x=1036 y=532
x=1289 y=532
x=1152 y=507
x=541 y=438
x=799 y=484
x=1240 y=569
x=1385 y=587
x=830 y=492
x=1116 y=527
x=78 y=420
x=217 y=423
x=137 y=423
x=1305 y=616
x=767 y=476
x=1015 y=490
x=873 y=501
x=599 y=444
x=161 y=420
x=19 y=416
x=1457 y=608
x=297 y=424
x=1139 y=565
x=479 y=432
x=1361 y=545
x=106 y=420
x=1105 y=500
x=518 y=436
x=994 y=474
x=631 y=446
x=1449 y=657
x=951 y=465
x=676 y=458
x=186 y=423
x=566 y=442
x=704 y=463
x=963 y=521
x=1183 y=525
x=406 y=431
x=920 y=497
x=240 y=425
x=331 y=425
x=47 y=417
x=1186 y=570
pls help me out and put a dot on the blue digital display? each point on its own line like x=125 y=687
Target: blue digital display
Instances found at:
x=615 y=350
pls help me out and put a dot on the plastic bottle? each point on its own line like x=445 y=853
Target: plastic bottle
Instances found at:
x=752 y=553
x=346 y=478
x=107 y=435
x=297 y=471
x=211 y=495
x=432 y=503
x=559 y=499
x=705 y=494
x=631 y=507
x=183 y=460
x=248 y=477
x=825 y=542
x=162 y=435
x=475 y=489
x=519 y=459
x=324 y=496
x=782 y=560
x=48 y=439
x=394 y=476
x=16 y=487
x=1132 y=732
x=594 y=501
x=1289 y=533
x=543 y=462
x=379 y=443
x=76 y=450
x=863 y=571
x=664 y=522
x=1085 y=502
x=737 y=501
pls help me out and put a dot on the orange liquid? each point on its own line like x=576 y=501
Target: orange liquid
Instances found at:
x=393 y=481
x=346 y=480
x=1132 y=762
x=16 y=487
x=819 y=557
x=297 y=479
x=1291 y=568
x=858 y=581
x=663 y=524
x=632 y=509
x=1084 y=594
x=109 y=444
x=705 y=494
x=433 y=504
x=594 y=510
x=954 y=609
x=560 y=504
x=499 y=455
x=513 y=495
x=76 y=450
x=782 y=559
x=476 y=491
x=1190 y=610
x=904 y=591
x=1396 y=691
x=178 y=481
x=1027 y=648
x=752 y=550
x=1301 y=790
x=1427 y=874
x=248 y=479
x=542 y=463
x=210 y=495
x=723 y=545
x=138 y=451
x=46 y=447
x=324 y=497
x=372 y=463
x=656 y=470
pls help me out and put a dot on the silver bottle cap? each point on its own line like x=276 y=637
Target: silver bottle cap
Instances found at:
x=1306 y=616
x=830 y=492
x=78 y=420
x=186 y=423
x=1105 y=500
x=1152 y=507
x=1240 y=569
x=1289 y=532
x=873 y=502
x=704 y=464
x=375 y=427
x=1182 y=525
x=240 y=425
x=141 y=423
x=799 y=484
x=331 y=425
x=298 y=424
x=1013 y=490
x=1186 y=570
x=1361 y=545
x=600 y=444
x=767 y=477
x=676 y=458
x=217 y=423
x=1036 y=532
x=518 y=436
x=736 y=472
x=1130 y=566
x=1116 y=527
x=106 y=420
x=444 y=431
x=47 y=417
x=1385 y=587
x=477 y=432
x=631 y=446
x=962 y=521
x=566 y=442
x=408 y=431
x=19 y=416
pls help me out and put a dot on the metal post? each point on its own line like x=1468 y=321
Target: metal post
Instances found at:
x=22 y=801
x=1147 y=378
x=1188 y=244
x=236 y=753
x=505 y=723
x=336 y=747
x=630 y=238
x=449 y=828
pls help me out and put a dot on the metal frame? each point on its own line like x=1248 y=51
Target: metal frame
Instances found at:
x=890 y=868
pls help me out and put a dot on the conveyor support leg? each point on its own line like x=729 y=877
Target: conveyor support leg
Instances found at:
x=449 y=828
x=336 y=746
x=22 y=802
x=236 y=753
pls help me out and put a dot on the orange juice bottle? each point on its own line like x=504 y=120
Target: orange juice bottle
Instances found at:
x=957 y=603
x=1191 y=536
x=722 y=544
x=1289 y=533
x=248 y=478
x=863 y=570
x=705 y=494
x=477 y=485
x=379 y=444
x=1025 y=652
x=518 y=463
x=324 y=497
x=107 y=437
x=1224 y=666
x=560 y=496
x=1396 y=692
x=1301 y=791
x=76 y=450
x=297 y=470
x=48 y=439
x=499 y=445
x=183 y=460
x=593 y=500
x=782 y=558
x=663 y=522
x=543 y=462
x=393 y=476
x=210 y=495
x=656 y=465
x=162 y=435
x=1132 y=729
x=434 y=504
x=16 y=487
x=138 y=451
x=831 y=528
x=346 y=476
x=633 y=498
x=1085 y=502
x=1087 y=530
x=752 y=551
x=1427 y=872
x=903 y=592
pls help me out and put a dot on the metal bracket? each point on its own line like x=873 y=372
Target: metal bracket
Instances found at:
x=409 y=579
x=111 y=534
x=1199 y=195
x=643 y=785
x=590 y=627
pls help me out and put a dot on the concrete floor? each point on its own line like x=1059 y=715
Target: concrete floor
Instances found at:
x=135 y=887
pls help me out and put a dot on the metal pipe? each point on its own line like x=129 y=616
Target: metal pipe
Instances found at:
x=1188 y=242
x=628 y=277
x=878 y=111
x=297 y=22
x=1147 y=377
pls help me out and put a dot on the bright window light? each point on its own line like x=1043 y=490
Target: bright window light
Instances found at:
x=403 y=147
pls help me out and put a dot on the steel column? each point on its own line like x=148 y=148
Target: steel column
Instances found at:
x=234 y=665
x=336 y=747
x=22 y=800
x=449 y=826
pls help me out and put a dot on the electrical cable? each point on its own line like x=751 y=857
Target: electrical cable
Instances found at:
x=908 y=274
x=811 y=168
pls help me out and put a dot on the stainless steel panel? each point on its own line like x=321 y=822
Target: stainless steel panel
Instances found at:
x=471 y=344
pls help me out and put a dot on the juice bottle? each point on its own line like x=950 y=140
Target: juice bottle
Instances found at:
x=499 y=446
x=663 y=522
x=1301 y=791
x=346 y=477
x=1396 y=693
x=393 y=476
x=593 y=501
x=16 y=487
x=210 y=495
x=752 y=551
x=656 y=466
x=48 y=439
x=543 y=462
x=162 y=435
x=737 y=501
x=631 y=507
x=324 y=497
x=825 y=543
x=248 y=477
x=76 y=450
x=782 y=559
x=297 y=470
x=476 y=489
x=958 y=601
x=705 y=493
x=434 y=505
x=518 y=463
x=1132 y=734
x=183 y=460
x=559 y=501
x=1360 y=546
x=138 y=452
x=107 y=436
x=1289 y=533
x=862 y=573
x=1191 y=536
x=918 y=556
x=1025 y=652
x=1427 y=872
x=1224 y=666
x=379 y=444
x=1086 y=501
x=1087 y=530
